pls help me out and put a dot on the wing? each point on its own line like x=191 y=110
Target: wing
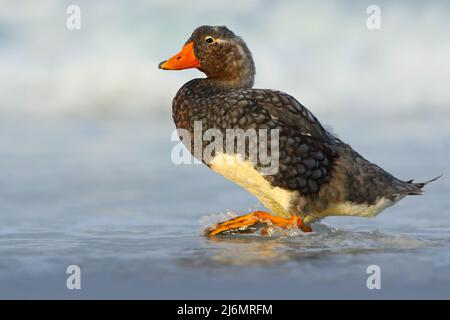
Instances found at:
x=306 y=150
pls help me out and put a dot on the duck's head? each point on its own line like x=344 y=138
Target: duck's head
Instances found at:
x=217 y=52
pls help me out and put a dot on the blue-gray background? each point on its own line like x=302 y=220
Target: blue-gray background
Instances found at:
x=85 y=170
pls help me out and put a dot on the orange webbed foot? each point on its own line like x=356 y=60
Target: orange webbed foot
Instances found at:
x=252 y=222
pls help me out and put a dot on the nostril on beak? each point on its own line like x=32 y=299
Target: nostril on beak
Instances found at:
x=179 y=57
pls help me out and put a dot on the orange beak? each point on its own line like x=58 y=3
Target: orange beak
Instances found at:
x=184 y=59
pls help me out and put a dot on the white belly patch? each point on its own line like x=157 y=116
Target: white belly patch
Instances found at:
x=279 y=200
x=245 y=175
x=356 y=209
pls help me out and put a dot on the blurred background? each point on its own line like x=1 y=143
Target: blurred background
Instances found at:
x=323 y=53
x=85 y=170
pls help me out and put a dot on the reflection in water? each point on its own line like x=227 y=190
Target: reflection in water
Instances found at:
x=257 y=250
x=251 y=251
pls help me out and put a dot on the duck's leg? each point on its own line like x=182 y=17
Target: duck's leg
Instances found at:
x=248 y=223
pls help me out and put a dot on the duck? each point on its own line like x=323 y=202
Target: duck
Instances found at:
x=318 y=175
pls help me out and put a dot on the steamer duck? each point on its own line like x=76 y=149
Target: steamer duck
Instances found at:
x=318 y=175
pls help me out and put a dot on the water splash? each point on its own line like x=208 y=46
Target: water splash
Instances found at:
x=323 y=237
x=210 y=221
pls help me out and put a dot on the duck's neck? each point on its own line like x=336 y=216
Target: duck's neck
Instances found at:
x=237 y=75
x=241 y=81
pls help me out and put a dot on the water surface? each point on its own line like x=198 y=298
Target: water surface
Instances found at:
x=105 y=196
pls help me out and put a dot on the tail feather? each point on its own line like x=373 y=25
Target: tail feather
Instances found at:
x=420 y=185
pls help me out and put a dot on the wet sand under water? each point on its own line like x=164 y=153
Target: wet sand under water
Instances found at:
x=106 y=197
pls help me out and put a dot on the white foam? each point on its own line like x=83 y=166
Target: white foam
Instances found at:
x=322 y=53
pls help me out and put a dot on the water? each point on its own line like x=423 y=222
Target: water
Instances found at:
x=86 y=176
x=106 y=197
x=321 y=51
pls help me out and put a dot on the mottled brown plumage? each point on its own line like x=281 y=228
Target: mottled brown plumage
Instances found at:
x=318 y=171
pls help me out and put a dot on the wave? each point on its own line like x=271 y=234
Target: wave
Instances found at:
x=322 y=53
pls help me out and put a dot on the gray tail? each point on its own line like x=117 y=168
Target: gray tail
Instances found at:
x=419 y=185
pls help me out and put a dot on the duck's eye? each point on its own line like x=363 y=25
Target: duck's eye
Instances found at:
x=209 y=40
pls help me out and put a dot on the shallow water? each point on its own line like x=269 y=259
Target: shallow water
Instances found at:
x=106 y=197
